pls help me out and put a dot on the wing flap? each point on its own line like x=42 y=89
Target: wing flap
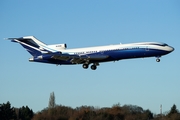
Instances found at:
x=79 y=58
x=61 y=57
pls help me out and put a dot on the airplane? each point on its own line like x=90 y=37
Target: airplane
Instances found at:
x=59 y=54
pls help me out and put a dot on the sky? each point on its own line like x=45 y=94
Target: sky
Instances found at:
x=80 y=23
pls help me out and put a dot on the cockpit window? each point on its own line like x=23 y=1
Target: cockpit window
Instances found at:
x=160 y=44
x=164 y=44
x=153 y=43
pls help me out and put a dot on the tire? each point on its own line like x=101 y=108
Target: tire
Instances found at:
x=158 y=60
x=93 y=67
x=85 y=66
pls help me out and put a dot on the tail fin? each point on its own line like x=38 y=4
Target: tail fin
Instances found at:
x=32 y=45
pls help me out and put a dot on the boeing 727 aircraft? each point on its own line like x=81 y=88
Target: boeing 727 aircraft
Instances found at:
x=59 y=54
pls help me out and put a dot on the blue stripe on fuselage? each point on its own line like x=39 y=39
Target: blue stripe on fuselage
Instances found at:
x=116 y=55
x=135 y=53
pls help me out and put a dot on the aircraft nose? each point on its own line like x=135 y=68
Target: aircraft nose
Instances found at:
x=171 y=49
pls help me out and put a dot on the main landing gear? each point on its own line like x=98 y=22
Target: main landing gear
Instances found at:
x=85 y=66
x=93 y=67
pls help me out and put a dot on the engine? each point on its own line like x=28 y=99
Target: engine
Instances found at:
x=58 y=47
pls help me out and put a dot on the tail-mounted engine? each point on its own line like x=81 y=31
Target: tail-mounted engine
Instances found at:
x=58 y=46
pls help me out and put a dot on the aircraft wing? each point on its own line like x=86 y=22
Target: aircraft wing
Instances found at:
x=79 y=58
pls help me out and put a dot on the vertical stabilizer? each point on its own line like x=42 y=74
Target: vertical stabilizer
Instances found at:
x=34 y=46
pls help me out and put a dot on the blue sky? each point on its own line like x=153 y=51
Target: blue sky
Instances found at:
x=142 y=82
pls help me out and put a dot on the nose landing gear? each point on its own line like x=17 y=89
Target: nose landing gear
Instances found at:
x=158 y=60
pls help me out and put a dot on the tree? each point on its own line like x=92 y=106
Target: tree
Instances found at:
x=6 y=112
x=52 y=103
x=173 y=110
x=25 y=113
x=148 y=114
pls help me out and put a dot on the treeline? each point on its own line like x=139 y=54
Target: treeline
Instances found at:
x=60 y=112
x=116 y=112
x=10 y=113
x=127 y=112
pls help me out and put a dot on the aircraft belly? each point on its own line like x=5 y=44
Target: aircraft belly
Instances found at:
x=136 y=53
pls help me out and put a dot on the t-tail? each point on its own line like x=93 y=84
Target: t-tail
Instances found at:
x=34 y=46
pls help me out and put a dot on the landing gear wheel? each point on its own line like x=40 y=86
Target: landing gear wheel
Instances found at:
x=157 y=60
x=93 y=67
x=85 y=66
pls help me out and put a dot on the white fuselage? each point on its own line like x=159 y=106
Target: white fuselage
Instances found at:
x=59 y=54
x=141 y=45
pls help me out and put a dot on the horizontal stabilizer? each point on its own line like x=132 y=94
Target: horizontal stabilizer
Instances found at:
x=31 y=44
